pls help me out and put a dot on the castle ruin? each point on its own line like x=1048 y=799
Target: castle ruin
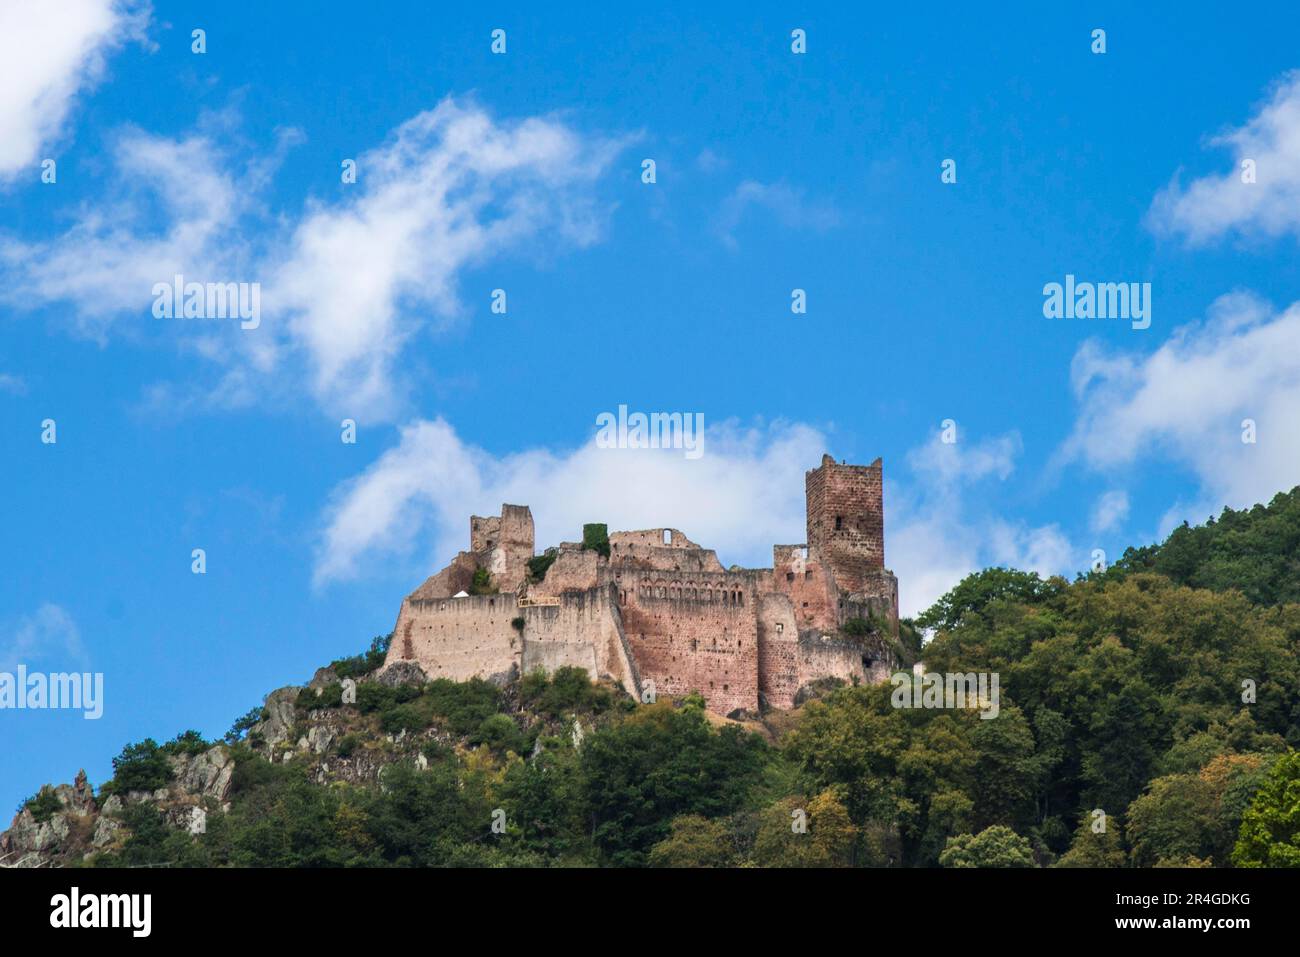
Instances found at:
x=661 y=611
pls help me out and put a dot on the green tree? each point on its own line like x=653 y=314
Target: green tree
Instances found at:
x=693 y=841
x=996 y=846
x=1270 y=827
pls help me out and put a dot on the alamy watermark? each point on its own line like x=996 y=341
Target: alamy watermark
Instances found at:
x=935 y=690
x=1100 y=300
x=657 y=430
x=209 y=300
x=76 y=690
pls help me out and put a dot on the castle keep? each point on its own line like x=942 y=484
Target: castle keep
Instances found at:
x=661 y=610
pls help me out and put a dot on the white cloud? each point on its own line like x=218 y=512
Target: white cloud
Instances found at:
x=1213 y=206
x=107 y=263
x=13 y=384
x=451 y=188
x=349 y=283
x=791 y=207
x=48 y=634
x=49 y=52
x=937 y=531
x=1110 y=510
x=1187 y=402
x=743 y=495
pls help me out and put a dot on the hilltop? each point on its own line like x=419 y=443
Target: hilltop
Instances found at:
x=1149 y=715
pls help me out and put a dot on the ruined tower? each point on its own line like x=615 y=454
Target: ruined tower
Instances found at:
x=846 y=525
x=505 y=542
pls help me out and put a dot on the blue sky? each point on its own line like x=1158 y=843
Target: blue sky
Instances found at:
x=775 y=171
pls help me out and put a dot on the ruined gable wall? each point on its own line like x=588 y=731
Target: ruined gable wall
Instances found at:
x=456 y=577
x=668 y=558
x=809 y=585
x=695 y=631
x=651 y=537
x=878 y=598
x=574 y=569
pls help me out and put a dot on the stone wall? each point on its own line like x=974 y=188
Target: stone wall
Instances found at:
x=459 y=638
x=584 y=631
x=696 y=631
x=778 y=651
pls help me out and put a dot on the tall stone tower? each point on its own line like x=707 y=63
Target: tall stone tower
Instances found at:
x=846 y=524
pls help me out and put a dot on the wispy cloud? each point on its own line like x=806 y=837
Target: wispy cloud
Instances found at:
x=1188 y=403
x=1109 y=511
x=50 y=52
x=48 y=634
x=938 y=531
x=349 y=282
x=12 y=384
x=1215 y=206
x=745 y=494
x=790 y=207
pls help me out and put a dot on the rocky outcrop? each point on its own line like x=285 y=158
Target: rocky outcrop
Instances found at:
x=205 y=775
x=281 y=714
x=402 y=673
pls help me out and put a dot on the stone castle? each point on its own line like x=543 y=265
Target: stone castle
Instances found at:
x=659 y=611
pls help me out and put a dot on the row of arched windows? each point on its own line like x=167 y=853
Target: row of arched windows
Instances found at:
x=677 y=591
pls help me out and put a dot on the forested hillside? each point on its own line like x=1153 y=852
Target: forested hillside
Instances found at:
x=1147 y=717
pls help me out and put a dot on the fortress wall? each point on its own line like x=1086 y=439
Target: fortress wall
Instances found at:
x=458 y=638
x=829 y=656
x=696 y=631
x=583 y=631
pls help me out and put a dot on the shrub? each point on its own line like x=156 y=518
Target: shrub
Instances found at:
x=414 y=716
x=569 y=689
x=363 y=664
x=140 y=767
x=517 y=623
x=500 y=733
x=187 y=742
x=482 y=583
x=465 y=704
x=595 y=537
x=347 y=744
x=244 y=724
x=331 y=696
x=377 y=697
x=44 y=804
x=539 y=565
